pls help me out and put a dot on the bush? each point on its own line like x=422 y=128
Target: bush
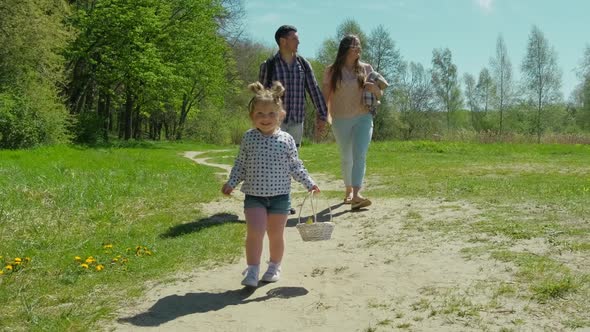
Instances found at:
x=88 y=128
x=32 y=117
x=19 y=127
x=216 y=127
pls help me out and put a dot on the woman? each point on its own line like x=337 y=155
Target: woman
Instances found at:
x=352 y=124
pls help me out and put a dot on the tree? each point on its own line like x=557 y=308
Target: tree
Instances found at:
x=502 y=75
x=329 y=49
x=471 y=96
x=154 y=60
x=33 y=36
x=382 y=54
x=414 y=97
x=231 y=20
x=542 y=77
x=486 y=89
x=385 y=58
x=581 y=94
x=351 y=27
x=584 y=71
x=446 y=85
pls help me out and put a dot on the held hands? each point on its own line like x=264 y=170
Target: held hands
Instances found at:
x=226 y=189
x=314 y=189
x=320 y=128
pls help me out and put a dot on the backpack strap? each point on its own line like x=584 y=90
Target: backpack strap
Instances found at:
x=270 y=68
x=303 y=64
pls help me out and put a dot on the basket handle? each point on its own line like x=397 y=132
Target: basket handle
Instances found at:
x=311 y=201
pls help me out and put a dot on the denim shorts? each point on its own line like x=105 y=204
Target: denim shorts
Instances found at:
x=279 y=204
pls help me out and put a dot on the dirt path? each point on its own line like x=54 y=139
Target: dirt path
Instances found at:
x=379 y=272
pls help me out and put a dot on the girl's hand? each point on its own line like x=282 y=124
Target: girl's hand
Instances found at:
x=315 y=188
x=226 y=189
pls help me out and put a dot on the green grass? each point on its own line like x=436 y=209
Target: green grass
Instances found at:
x=60 y=202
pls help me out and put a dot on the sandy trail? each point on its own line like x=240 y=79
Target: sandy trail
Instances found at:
x=377 y=273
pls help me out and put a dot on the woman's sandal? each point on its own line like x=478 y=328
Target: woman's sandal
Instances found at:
x=360 y=204
x=347 y=200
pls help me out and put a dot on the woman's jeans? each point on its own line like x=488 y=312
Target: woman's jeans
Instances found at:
x=353 y=137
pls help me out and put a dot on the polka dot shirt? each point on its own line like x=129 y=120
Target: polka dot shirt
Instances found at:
x=266 y=164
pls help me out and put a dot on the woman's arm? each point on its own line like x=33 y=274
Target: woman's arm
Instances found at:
x=372 y=87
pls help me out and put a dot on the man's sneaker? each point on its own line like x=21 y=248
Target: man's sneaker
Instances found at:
x=251 y=273
x=273 y=273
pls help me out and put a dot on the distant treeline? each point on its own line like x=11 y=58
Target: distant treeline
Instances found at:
x=95 y=70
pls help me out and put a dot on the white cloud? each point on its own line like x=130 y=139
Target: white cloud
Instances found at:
x=485 y=5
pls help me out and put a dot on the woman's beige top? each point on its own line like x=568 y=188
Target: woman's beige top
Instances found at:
x=347 y=100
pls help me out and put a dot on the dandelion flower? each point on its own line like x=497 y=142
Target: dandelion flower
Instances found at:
x=18 y=260
x=8 y=267
x=77 y=258
x=84 y=265
x=107 y=246
x=90 y=260
x=27 y=259
x=99 y=267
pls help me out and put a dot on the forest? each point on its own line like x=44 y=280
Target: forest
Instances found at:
x=94 y=71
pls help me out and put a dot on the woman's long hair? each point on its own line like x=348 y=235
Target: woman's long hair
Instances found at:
x=338 y=64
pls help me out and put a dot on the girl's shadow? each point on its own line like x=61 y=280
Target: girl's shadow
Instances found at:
x=174 y=306
x=215 y=220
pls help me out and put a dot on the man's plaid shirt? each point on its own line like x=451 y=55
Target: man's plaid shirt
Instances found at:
x=296 y=79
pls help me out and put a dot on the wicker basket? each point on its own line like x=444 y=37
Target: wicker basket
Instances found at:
x=315 y=231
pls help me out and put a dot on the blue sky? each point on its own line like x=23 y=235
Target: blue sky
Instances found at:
x=469 y=28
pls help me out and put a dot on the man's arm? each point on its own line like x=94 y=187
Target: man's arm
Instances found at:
x=315 y=93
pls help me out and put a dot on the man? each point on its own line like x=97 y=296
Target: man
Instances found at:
x=296 y=75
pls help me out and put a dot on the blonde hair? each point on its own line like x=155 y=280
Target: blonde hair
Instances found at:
x=272 y=95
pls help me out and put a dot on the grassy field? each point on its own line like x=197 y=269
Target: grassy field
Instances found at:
x=90 y=226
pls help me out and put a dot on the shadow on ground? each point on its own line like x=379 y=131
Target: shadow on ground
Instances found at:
x=174 y=306
x=328 y=214
x=195 y=226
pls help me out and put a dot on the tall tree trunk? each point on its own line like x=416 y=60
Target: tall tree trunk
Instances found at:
x=107 y=119
x=137 y=130
x=103 y=114
x=128 y=117
x=539 y=119
x=183 y=114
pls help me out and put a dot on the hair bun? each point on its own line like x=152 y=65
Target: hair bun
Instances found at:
x=256 y=87
x=277 y=89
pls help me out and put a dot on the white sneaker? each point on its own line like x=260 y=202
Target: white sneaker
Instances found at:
x=251 y=273
x=273 y=273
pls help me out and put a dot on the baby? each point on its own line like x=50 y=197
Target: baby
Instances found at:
x=368 y=97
